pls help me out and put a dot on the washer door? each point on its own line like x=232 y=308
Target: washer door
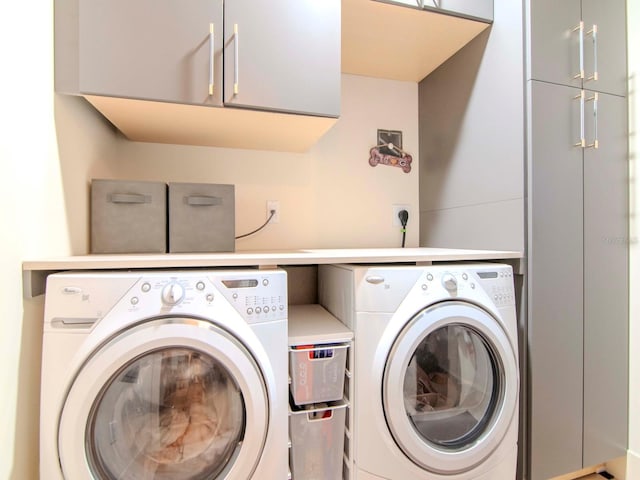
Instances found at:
x=450 y=387
x=173 y=398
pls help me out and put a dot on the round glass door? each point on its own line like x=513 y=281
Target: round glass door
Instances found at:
x=450 y=387
x=173 y=413
x=173 y=398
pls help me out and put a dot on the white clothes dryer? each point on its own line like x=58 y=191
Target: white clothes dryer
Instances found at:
x=436 y=368
x=165 y=375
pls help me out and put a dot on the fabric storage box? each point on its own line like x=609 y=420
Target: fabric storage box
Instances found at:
x=128 y=216
x=317 y=372
x=201 y=217
x=317 y=441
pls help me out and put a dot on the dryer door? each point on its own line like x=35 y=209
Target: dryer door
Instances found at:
x=174 y=398
x=450 y=387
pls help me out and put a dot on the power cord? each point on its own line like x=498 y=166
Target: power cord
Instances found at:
x=403 y=215
x=271 y=214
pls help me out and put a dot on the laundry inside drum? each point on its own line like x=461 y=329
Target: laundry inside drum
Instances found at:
x=173 y=413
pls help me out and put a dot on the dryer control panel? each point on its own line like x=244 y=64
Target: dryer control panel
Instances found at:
x=498 y=283
x=495 y=280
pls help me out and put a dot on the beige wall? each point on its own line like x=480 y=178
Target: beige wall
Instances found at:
x=633 y=461
x=330 y=196
x=51 y=146
x=42 y=166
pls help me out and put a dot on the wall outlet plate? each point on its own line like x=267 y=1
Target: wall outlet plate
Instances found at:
x=396 y=208
x=273 y=205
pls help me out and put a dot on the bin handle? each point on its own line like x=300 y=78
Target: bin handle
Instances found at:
x=129 y=198
x=336 y=405
x=203 y=201
x=327 y=346
x=320 y=418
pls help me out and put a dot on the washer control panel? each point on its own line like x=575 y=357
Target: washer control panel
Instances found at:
x=257 y=297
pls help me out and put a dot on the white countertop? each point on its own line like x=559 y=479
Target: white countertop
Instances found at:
x=35 y=271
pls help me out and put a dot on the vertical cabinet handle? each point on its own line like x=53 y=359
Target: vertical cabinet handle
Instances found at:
x=212 y=51
x=594 y=34
x=582 y=142
x=236 y=76
x=594 y=99
x=580 y=30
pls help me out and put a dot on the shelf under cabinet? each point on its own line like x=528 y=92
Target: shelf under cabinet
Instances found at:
x=312 y=325
x=174 y=123
x=398 y=42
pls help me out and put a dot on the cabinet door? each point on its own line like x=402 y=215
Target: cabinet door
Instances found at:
x=482 y=9
x=477 y=9
x=555 y=285
x=285 y=55
x=606 y=313
x=149 y=49
x=607 y=52
x=554 y=53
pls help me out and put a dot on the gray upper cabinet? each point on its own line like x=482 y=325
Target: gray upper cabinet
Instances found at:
x=579 y=43
x=144 y=49
x=607 y=53
x=283 y=55
x=477 y=9
x=160 y=70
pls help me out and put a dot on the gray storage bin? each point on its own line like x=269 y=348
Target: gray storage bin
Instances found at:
x=128 y=216
x=317 y=372
x=317 y=442
x=201 y=217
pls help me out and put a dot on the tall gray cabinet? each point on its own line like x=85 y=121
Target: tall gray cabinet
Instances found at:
x=499 y=116
x=578 y=234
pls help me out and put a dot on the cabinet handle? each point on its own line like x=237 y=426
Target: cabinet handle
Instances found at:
x=580 y=28
x=594 y=99
x=582 y=141
x=212 y=51
x=594 y=33
x=235 y=59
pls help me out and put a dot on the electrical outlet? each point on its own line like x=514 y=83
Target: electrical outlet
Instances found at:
x=396 y=209
x=273 y=205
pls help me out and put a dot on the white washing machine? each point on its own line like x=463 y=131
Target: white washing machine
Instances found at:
x=165 y=375
x=436 y=368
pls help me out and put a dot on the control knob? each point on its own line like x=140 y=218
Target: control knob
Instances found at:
x=449 y=282
x=172 y=294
